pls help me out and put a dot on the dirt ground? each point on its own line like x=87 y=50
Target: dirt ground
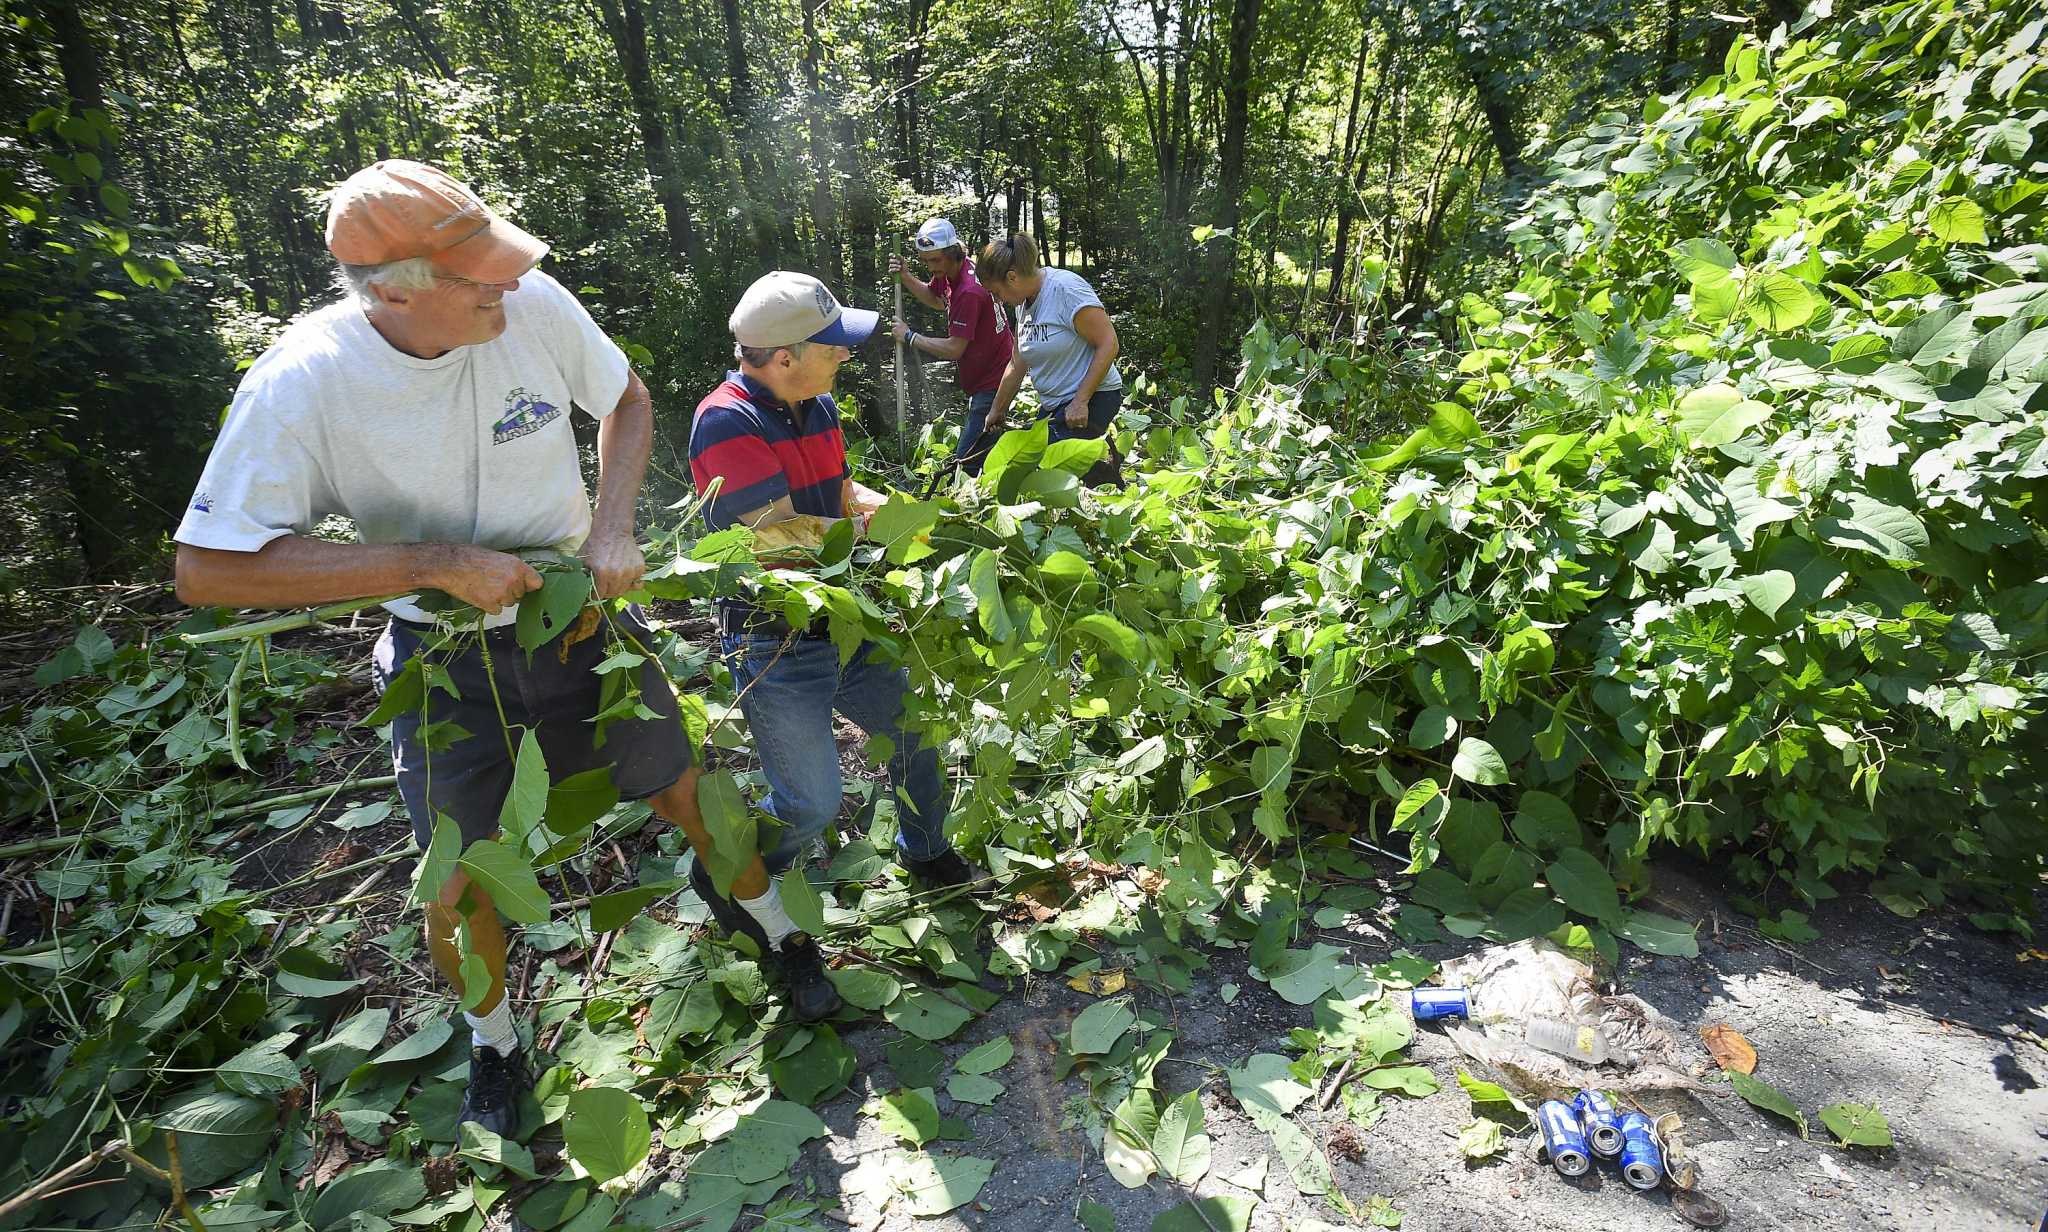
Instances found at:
x=1854 y=1016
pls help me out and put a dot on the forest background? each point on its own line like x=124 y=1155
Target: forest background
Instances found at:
x=1338 y=168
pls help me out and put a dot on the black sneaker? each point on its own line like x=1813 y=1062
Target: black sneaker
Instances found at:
x=942 y=870
x=731 y=917
x=801 y=968
x=496 y=1081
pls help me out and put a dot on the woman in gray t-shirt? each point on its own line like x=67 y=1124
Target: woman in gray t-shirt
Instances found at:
x=1065 y=343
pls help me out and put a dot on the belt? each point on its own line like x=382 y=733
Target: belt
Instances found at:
x=735 y=620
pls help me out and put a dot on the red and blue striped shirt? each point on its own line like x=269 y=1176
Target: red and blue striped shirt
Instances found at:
x=766 y=450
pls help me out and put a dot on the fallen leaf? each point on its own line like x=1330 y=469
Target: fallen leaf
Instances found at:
x=1099 y=983
x=2032 y=956
x=1730 y=1049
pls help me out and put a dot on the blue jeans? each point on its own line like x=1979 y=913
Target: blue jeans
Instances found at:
x=788 y=691
x=1102 y=409
x=971 y=429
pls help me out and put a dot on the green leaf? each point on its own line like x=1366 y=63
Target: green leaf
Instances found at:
x=438 y=862
x=501 y=873
x=1228 y=1213
x=262 y=1070
x=982 y=579
x=1584 y=884
x=917 y=1063
x=818 y=1069
x=731 y=825
x=1116 y=637
x=474 y=975
x=294 y=984
x=1777 y=301
x=421 y=1044
x=1546 y=823
x=1704 y=258
x=987 y=1058
x=973 y=1088
x=680 y=1013
x=1075 y=454
x=1867 y=524
x=898 y=525
x=1479 y=762
x=1480 y=1138
x=908 y=1114
x=402 y=696
x=926 y=1014
x=527 y=800
x=1660 y=934
x=936 y=1184
x=1180 y=1146
x=1094 y=1216
x=1414 y=800
x=620 y=907
x=1767 y=1097
x=1716 y=415
x=545 y=614
x=575 y=803
x=481 y=1146
x=1432 y=727
x=1857 y=1125
x=801 y=900
x=606 y=1131
x=375 y=1190
x=1957 y=220
x=1097 y=1028
x=864 y=988
x=1768 y=591
x=1408 y=1079
x=1932 y=337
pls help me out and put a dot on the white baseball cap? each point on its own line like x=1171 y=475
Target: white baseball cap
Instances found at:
x=785 y=308
x=936 y=234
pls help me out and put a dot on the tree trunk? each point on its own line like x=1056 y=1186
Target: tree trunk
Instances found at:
x=1237 y=90
x=1500 y=123
x=739 y=113
x=824 y=214
x=423 y=38
x=627 y=26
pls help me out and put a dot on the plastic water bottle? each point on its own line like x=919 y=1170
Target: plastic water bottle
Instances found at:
x=1579 y=1041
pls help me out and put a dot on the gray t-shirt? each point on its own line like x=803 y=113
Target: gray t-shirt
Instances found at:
x=469 y=447
x=1055 y=356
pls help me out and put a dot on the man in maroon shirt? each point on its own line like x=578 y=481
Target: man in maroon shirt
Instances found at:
x=977 y=336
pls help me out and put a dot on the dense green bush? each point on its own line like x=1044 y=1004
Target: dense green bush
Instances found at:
x=1725 y=537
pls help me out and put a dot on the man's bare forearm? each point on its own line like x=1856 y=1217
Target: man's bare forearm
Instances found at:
x=298 y=572
x=624 y=439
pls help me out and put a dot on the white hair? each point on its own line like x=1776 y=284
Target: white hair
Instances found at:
x=410 y=274
x=760 y=357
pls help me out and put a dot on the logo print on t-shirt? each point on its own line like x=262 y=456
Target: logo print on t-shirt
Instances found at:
x=202 y=501
x=524 y=413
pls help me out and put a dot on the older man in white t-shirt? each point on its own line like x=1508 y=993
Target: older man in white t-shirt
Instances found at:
x=432 y=407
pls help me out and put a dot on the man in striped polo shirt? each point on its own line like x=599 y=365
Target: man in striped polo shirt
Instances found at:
x=771 y=433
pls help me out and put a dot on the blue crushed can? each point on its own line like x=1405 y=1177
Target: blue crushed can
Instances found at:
x=1600 y=1121
x=1431 y=1004
x=1642 y=1160
x=1562 y=1138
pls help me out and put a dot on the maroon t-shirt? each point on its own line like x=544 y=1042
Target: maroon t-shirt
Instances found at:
x=971 y=314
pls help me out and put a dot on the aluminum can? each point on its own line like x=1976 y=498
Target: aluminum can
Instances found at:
x=1601 y=1123
x=1563 y=1138
x=1431 y=1004
x=1642 y=1160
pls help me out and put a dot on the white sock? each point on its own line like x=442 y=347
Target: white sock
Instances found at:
x=768 y=913
x=495 y=1029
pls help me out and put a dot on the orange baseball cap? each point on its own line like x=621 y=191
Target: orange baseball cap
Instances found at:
x=398 y=209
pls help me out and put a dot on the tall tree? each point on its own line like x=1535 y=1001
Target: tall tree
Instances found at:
x=1238 y=86
x=626 y=25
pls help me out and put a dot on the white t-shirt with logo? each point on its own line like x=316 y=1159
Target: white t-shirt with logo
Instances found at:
x=1056 y=356
x=473 y=446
